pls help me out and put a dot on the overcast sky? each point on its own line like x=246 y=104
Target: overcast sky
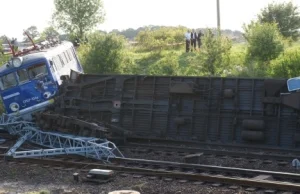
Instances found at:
x=16 y=15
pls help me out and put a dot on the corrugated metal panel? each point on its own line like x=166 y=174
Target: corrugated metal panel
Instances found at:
x=149 y=107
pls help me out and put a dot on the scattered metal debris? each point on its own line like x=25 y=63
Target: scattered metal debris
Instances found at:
x=57 y=143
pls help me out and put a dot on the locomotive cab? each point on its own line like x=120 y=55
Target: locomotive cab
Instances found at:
x=29 y=81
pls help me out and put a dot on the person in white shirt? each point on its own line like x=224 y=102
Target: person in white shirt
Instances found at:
x=187 y=40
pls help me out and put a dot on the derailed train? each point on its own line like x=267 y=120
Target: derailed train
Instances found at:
x=260 y=112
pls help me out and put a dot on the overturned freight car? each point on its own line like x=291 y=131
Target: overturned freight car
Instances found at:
x=259 y=112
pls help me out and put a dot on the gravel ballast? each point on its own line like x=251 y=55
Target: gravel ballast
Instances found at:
x=17 y=178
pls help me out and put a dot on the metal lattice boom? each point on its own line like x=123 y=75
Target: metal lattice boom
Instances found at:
x=58 y=143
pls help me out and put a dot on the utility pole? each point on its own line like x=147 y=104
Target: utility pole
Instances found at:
x=218 y=16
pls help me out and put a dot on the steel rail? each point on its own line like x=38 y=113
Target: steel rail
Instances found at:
x=233 y=153
x=250 y=182
x=142 y=140
x=211 y=168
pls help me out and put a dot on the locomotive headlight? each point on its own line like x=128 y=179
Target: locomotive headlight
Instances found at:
x=47 y=95
x=14 y=106
x=17 y=62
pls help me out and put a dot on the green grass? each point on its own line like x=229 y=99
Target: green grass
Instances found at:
x=238 y=47
x=294 y=45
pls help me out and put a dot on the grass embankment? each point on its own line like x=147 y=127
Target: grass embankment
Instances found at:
x=175 y=61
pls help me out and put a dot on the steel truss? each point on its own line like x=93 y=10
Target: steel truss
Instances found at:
x=58 y=143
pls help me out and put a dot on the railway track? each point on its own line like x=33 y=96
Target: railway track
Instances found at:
x=214 y=145
x=183 y=172
x=278 y=156
x=172 y=171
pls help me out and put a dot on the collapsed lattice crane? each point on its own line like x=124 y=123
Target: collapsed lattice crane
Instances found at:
x=55 y=143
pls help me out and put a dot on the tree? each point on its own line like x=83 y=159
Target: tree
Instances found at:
x=264 y=41
x=286 y=15
x=78 y=16
x=32 y=32
x=49 y=33
x=103 y=53
x=129 y=33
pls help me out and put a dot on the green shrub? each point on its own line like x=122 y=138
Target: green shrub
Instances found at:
x=264 y=41
x=213 y=58
x=168 y=65
x=157 y=38
x=286 y=65
x=104 y=53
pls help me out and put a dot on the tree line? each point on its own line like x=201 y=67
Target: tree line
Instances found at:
x=267 y=51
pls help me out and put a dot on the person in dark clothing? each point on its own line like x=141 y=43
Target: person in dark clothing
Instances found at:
x=193 y=39
x=199 y=38
x=187 y=40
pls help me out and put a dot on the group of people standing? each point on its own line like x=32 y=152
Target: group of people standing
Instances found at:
x=192 y=38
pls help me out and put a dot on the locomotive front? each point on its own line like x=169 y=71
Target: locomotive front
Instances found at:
x=27 y=85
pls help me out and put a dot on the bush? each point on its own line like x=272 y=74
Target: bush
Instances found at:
x=128 y=65
x=104 y=53
x=287 y=65
x=264 y=41
x=168 y=65
x=156 y=39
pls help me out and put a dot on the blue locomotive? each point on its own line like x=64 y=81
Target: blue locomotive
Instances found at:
x=31 y=78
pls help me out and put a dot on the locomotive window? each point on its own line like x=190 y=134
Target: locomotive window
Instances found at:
x=8 y=81
x=73 y=52
x=22 y=76
x=62 y=61
x=52 y=66
x=37 y=71
x=69 y=54
x=66 y=58
x=57 y=62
